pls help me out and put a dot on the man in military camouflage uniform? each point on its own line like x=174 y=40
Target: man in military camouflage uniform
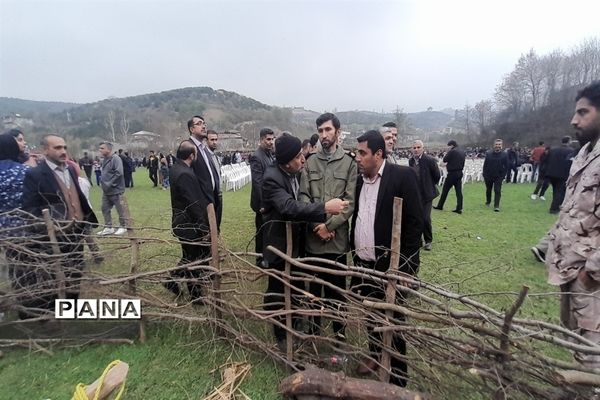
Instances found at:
x=573 y=259
x=328 y=174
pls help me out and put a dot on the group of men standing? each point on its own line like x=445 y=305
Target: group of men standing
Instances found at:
x=195 y=182
x=326 y=192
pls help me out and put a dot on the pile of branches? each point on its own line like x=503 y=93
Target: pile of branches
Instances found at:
x=456 y=346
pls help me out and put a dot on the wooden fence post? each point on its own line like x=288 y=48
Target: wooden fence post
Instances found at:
x=390 y=291
x=288 y=293
x=134 y=262
x=215 y=261
x=56 y=265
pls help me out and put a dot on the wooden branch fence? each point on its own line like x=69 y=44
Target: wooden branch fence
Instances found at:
x=457 y=347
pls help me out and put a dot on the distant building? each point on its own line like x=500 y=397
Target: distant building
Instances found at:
x=16 y=121
x=145 y=136
x=231 y=140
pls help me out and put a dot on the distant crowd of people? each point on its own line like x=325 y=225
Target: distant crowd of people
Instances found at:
x=340 y=202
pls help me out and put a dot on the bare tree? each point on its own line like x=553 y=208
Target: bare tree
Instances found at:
x=529 y=72
x=124 y=124
x=552 y=68
x=483 y=114
x=510 y=94
x=109 y=123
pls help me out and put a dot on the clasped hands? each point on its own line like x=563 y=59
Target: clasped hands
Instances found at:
x=323 y=233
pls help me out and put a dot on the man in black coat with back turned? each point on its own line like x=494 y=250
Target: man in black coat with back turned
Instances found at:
x=259 y=161
x=280 y=204
x=455 y=163
x=559 y=161
x=371 y=233
x=190 y=219
x=428 y=175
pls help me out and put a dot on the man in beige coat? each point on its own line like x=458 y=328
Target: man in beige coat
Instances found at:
x=573 y=259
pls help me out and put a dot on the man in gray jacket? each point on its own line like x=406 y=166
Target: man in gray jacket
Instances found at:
x=113 y=189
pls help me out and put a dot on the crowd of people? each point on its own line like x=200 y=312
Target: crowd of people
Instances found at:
x=340 y=203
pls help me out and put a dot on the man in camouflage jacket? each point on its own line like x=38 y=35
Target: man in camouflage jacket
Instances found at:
x=573 y=258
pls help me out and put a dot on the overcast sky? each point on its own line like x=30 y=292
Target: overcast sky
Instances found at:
x=369 y=55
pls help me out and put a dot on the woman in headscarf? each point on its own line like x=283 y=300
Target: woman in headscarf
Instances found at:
x=24 y=157
x=12 y=175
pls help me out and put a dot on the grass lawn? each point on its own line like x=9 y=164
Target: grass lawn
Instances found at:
x=475 y=253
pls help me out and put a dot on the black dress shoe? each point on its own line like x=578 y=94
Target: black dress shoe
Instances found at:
x=437 y=208
x=457 y=211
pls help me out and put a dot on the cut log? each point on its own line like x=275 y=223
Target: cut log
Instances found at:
x=316 y=383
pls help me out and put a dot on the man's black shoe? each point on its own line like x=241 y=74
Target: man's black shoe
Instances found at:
x=457 y=211
x=437 y=208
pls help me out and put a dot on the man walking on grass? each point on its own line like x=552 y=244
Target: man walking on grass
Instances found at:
x=113 y=189
x=495 y=166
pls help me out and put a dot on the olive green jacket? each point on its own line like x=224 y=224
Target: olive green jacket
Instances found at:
x=324 y=179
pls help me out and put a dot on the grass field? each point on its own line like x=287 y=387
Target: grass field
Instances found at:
x=475 y=253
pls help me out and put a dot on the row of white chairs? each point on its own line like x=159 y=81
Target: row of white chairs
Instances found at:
x=473 y=171
x=235 y=176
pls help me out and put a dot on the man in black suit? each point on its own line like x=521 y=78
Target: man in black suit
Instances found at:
x=280 y=204
x=455 y=163
x=259 y=161
x=428 y=175
x=152 y=165
x=53 y=185
x=557 y=171
x=190 y=219
x=204 y=169
x=495 y=166
x=371 y=232
x=513 y=162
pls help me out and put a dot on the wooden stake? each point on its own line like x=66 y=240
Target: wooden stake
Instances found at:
x=390 y=290
x=215 y=262
x=288 y=292
x=134 y=262
x=58 y=272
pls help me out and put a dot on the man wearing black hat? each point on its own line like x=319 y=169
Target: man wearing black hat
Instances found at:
x=280 y=204
x=455 y=163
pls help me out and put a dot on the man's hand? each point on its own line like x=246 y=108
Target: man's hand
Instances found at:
x=336 y=206
x=323 y=233
x=586 y=280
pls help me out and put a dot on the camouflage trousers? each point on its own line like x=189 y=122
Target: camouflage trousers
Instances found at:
x=580 y=312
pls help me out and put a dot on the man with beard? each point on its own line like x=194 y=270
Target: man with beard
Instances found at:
x=212 y=142
x=280 y=190
x=494 y=171
x=573 y=259
x=329 y=174
x=262 y=158
x=203 y=168
x=54 y=185
x=371 y=236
